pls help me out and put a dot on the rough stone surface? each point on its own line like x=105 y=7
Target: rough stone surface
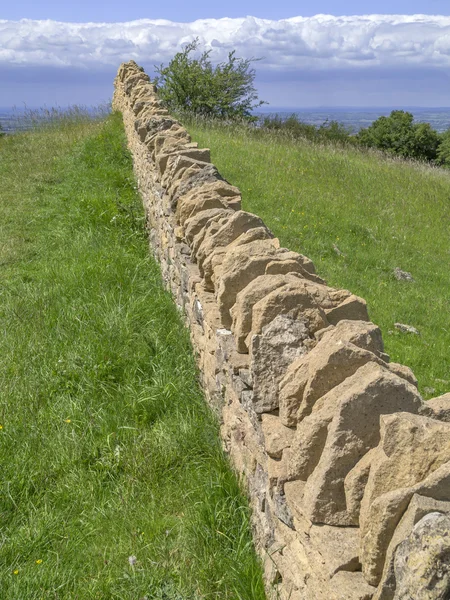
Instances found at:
x=422 y=561
x=280 y=342
x=342 y=427
x=311 y=377
x=438 y=408
x=293 y=300
x=413 y=456
x=419 y=507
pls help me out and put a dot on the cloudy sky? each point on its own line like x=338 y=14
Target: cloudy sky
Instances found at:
x=375 y=53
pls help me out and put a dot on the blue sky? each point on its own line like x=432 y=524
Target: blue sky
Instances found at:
x=190 y=10
x=66 y=52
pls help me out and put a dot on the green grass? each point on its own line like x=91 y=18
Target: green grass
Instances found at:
x=107 y=447
x=380 y=213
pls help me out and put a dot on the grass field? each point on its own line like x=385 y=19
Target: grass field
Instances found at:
x=113 y=482
x=358 y=216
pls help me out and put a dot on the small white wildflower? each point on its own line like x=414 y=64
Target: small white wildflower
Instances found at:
x=132 y=560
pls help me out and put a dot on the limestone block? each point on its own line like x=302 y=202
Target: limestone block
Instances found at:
x=240 y=266
x=355 y=484
x=422 y=565
x=132 y=80
x=176 y=164
x=208 y=175
x=314 y=375
x=148 y=103
x=413 y=456
x=438 y=408
x=238 y=224
x=285 y=265
x=171 y=139
x=361 y=333
x=241 y=312
x=211 y=268
x=279 y=343
x=151 y=126
x=196 y=201
x=197 y=155
x=352 y=308
x=339 y=547
x=194 y=224
x=419 y=506
x=277 y=437
x=209 y=229
x=342 y=427
x=403 y=371
x=292 y=299
x=351 y=586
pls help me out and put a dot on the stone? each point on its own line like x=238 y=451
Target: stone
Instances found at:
x=355 y=484
x=342 y=427
x=238 y=224
x=413 y=456
x=240 y=266
x=207 y=175
x=422 y=561
x=195 y=204
x=180 y=168
x=352 y=308
x=361 y=333
x=419 y=506
x=402 y=275
x=438 y=408
x=279 y=343
x=211 y=268
x=199 y=156
x=171 y=140
x=404 y=372
x=198 y=221
x=241 y=312
x=351 y=586
x=289 y=266
x=277 y=437
x=406 y=328
x=314 y=375
x=339 y=547
x=293 y=300
x=197 y=200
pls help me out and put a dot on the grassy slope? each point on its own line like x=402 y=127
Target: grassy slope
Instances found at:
x=107 y=448
x=381 y=215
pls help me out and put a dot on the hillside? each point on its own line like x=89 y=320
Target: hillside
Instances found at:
x=358 y=216
x=114 y=483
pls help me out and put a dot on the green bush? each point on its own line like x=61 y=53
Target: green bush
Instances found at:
x=443 y=152
x=224 y=91
x=400 y=136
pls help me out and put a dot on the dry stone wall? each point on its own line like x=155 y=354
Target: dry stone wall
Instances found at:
x=347 y=469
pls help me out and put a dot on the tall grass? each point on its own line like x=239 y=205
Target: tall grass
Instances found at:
x=113 y=483
x=358 y=215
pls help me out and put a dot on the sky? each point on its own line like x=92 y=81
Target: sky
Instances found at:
x=325 y=53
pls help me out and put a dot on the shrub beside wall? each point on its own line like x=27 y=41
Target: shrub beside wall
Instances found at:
x=347 y=469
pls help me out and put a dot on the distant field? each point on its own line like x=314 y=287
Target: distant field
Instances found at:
x=358 y=216
x=114 y=485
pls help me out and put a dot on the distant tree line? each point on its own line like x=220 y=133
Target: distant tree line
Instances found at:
x=191 y=84
x=397 y=135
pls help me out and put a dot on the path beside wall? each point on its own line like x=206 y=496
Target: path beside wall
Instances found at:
x=347 y=469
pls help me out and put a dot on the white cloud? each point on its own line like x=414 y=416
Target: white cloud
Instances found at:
x=317 y=43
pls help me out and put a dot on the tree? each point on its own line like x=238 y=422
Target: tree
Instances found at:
x=443 y=153
x=399 y=135
x=224 y=91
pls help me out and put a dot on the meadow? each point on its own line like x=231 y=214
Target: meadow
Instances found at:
x=114 y=484
x=358 y=215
